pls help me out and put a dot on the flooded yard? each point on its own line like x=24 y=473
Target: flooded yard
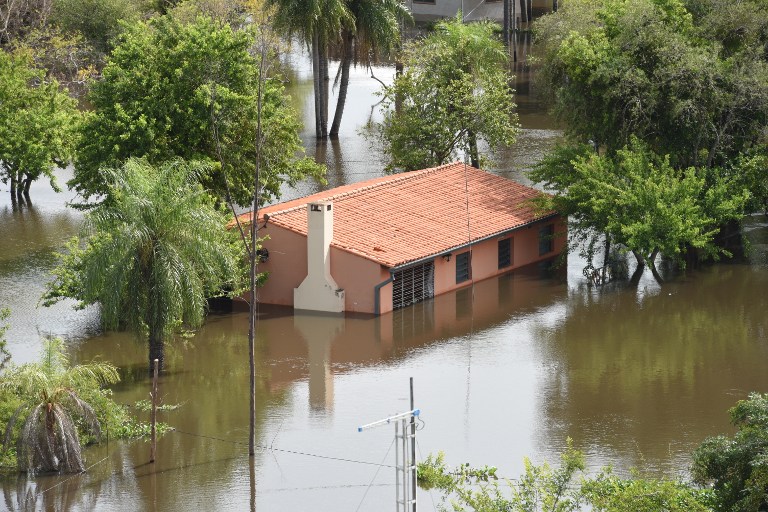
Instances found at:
x=507 y=368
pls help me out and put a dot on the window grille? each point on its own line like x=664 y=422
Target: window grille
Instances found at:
x=413 y=284
x=463 y=270
x=505 y=253
x=546 y=239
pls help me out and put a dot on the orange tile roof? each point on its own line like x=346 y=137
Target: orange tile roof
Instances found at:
x=404 y=217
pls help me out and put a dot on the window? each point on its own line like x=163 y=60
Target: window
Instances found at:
x=463 y=267
x=546 y=239
x=505 y=253
x=412 y=285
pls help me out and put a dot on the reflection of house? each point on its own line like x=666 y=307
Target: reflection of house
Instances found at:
x=385 y=243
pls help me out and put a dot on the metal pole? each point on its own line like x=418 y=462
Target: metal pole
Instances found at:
x=397 y=469
x=406 y=497
x=413 y=452
x=153 y=414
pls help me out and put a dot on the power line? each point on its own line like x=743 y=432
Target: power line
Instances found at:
x=285 y=450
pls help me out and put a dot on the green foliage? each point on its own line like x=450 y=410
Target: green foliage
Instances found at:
x=5 y=313
x=37 y=123
x=53 y=408
x=546 y=489
x=156 y=250
x=453 y=94
x=615 y=69
x=737 y=465
x=191 y=91
x=640 y=201
x=98 y=21
x=541 y=488
x=609 y=493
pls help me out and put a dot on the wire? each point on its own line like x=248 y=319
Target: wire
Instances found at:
x=375 y=475
x=285 y=450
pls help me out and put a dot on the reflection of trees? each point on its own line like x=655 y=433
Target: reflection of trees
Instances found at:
x=209 y=376
x=654 y=368
x=25 y=230
x=23 y=493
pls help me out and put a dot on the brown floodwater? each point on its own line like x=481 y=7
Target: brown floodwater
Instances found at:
x=637 y=376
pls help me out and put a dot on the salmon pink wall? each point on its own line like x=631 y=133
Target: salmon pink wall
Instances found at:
x=485 y=256
x=287 y=265
x=358 y=276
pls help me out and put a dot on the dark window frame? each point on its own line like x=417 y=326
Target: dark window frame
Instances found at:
x=546 y=239
x=504 y=253
x=463 y=267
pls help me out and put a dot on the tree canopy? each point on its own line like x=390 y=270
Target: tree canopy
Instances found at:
x=673 y=115
x=152 y=254
x=453 y=95
x=737 y=465
x=37 y=124
x=189 y=90
x=53 y=408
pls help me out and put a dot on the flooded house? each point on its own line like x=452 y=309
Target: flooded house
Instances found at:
x=383 y=244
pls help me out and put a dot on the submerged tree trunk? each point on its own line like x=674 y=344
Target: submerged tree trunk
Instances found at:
x=326 y=85
x=529 y=10
x=652 y=265
x=606 y=254
x=317 y=82
x=156 y=351
x=506 y=22
x=346 y=63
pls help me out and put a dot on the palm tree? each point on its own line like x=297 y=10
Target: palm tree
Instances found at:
x=158 y=248
x=51 y=394
x=317 y=22
x=374 y=34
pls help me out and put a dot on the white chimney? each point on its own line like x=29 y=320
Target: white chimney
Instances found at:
x=318 y=291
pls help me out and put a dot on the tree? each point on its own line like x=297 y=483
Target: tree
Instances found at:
x=98 y=21
x=619 y=71
x=737 y=465
x=636 y=199
x=318 y=23
x=155 y=252
x=453 y=94
x=54 y=410
x=543 y=488
x=165 y=90
x=375 y=34
x=37 y=125
x=614 y=69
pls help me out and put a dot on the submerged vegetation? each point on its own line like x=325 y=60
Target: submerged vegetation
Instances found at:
x=665 y=114
x=50 y=408
x=734 y=466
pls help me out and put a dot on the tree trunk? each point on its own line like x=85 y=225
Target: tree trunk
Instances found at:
x=606 y=254
x=514 y=30
x=554 y=5
x=156 y=350
x=346 y=63
x=317 y=83
x=506 y=22
x=529 y=10
x=652 y=265
x=523 y=11
x=474 y=155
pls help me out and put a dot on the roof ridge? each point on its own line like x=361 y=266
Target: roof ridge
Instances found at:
x=396 y=179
